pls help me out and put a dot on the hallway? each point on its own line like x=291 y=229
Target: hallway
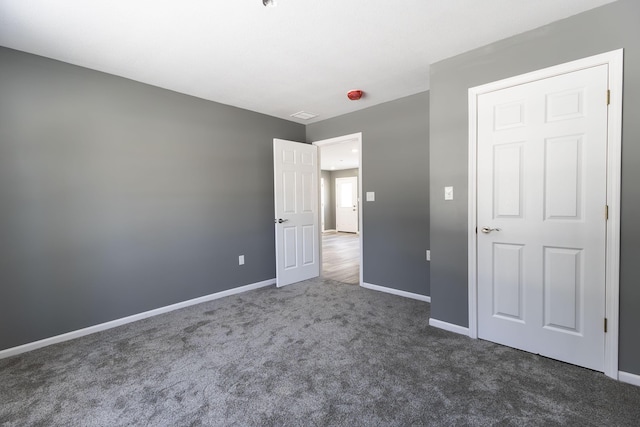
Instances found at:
x=341 y=257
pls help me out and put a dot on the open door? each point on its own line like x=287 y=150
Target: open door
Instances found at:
x=296 y=171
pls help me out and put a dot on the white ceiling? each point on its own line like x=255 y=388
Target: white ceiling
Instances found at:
x=300 y=55
x=342 y=155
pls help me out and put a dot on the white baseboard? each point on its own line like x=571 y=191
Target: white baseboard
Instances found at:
x=626 y=377
x=135 y=317
x=398 y=292
x=449 y=327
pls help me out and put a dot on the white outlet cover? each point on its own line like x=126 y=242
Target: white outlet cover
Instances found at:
x=448 y=193
x=371 y=196
x=241 y=260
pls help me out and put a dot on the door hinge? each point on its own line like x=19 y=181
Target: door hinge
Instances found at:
x=606 y=212
x=608 y=96
x=605 y=325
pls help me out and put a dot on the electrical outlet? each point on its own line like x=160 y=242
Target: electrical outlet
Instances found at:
x=428 y=255
x=241 y=260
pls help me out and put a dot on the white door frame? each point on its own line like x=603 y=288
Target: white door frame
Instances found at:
x=338 y=140
x=614 y=60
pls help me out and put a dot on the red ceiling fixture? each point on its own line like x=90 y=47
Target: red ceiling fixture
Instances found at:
x=354 y=95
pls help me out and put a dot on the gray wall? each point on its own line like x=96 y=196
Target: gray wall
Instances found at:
x=395 y=165
x=331 y=193
x=329 y=219
x=600 y=30
x=118 y=197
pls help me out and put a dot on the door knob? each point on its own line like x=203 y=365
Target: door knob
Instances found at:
x=487 y=230
x=280 y=220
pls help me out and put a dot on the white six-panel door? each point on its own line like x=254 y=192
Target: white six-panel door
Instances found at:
x=296 y=211
x=541 y=197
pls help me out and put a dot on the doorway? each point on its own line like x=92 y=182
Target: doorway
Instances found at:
x=544 y=211
x=346 y=206
x=340 y=201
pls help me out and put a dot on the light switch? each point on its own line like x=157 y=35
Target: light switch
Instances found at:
x=448 y=193
x=371 y=196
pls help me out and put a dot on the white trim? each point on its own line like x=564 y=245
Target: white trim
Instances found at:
x=398 y=292
x=449 y=327
x=337 y=140
x=628 y=378
x=614 y=60
x=472 y=230
x=133 y=318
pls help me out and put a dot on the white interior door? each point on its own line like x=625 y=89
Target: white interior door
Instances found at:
x=541 y=198
x=296 y=211
x=347 y=204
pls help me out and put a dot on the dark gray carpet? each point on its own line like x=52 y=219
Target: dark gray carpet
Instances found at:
x=314 y=353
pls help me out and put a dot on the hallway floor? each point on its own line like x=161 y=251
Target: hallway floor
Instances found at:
x=341 y=257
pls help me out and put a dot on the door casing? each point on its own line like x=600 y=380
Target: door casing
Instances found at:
x=614 y=60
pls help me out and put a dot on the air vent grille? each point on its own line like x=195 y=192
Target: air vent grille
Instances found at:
x=304 y=115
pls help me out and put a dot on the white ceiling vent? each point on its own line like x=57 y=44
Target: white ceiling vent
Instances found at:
x=304 y=115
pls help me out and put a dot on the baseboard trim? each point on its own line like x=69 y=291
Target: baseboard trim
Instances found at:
x=398 y=292
x=129 y=319
x=628 y=378
x=449 y=327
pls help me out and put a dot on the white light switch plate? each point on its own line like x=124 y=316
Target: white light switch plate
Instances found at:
x=448 y=193
x=371 y=196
